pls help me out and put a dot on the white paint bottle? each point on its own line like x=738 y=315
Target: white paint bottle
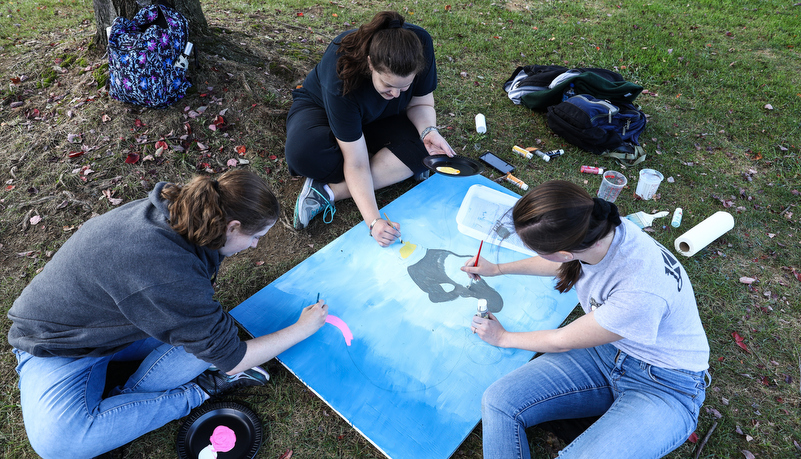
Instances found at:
x=482 y=309
x=481 y=124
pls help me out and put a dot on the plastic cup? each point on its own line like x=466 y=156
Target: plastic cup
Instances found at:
x=648 y=183
x=611 y=184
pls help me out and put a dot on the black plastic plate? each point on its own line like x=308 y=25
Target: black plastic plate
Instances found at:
x=456 y=166
x=196 y=431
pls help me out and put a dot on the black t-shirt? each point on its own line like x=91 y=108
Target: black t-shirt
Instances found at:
x=347 y=114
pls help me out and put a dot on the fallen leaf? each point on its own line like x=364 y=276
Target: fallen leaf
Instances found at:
x=693 y=438
x=132 y=158
x=232 y=162
x=241 y=150
x=138 y=123
x=747 y=280
x=75 y=154
x=768 y=107
x=35 y=220
x=739 y=341
x=288 y=453
x=748 y=454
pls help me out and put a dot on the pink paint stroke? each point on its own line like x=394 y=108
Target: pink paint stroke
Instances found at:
x=342 y=326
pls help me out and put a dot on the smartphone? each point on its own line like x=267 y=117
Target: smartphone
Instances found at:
x=496 y=162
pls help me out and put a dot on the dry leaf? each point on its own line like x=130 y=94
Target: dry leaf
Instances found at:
x=747 y=280
x=132 y=158
x=35 y=220
x=748 y=454
x=739 y=341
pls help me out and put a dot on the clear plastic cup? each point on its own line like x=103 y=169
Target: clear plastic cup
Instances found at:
x=648 y=183
x=611 y=184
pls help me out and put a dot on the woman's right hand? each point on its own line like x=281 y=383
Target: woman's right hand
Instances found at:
x=312 y=318
x=483 y=268
x=384 y=233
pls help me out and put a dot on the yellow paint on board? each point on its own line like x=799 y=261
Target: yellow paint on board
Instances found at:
x=407 y=249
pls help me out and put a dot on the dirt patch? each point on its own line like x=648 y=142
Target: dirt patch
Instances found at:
x=72 y=152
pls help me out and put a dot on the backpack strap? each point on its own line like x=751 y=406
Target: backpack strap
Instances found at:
x=628 y=155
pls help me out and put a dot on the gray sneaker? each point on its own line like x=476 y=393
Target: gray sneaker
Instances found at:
x=312 y=200
x=215 y=382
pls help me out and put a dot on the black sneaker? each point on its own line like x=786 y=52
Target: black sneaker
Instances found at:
x=215 y=382
x=312 y=200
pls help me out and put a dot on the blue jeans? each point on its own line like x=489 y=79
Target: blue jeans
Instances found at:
x=646 y=411
x=64 y=412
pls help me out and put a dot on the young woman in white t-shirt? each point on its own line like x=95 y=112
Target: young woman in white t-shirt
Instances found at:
x=637 y=360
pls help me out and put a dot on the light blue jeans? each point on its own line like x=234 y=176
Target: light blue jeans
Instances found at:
x=646 y=411
x=64 y=412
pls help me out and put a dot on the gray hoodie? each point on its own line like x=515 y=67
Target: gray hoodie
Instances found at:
x=122 y=277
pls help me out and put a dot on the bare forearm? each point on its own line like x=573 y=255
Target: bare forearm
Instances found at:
x=533 y=266
x=421 y=112
x=360 y=184
x=265 y=347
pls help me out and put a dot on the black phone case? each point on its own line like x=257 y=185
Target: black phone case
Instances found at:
x=496 y=163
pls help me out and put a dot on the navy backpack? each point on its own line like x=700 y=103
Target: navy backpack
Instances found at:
x=148 y=57
x=600 y=127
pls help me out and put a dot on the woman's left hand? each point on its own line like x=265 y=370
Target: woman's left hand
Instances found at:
x=437 y=145
x=489 y=330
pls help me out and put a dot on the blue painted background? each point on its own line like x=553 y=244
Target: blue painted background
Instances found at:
x=411 y=382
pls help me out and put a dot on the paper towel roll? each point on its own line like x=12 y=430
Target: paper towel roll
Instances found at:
x=700 y=235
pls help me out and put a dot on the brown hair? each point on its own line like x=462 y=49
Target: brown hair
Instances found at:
x=390 y=47
x=201 y=210
x=561 y=216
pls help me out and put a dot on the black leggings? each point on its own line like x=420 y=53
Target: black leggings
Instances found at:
x=312 y=150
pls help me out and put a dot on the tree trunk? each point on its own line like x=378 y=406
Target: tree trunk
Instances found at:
x=108 y=10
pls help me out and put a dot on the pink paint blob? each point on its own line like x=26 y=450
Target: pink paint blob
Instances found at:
x=223 y=439
x=342 y=326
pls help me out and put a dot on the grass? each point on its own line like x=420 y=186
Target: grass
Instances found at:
x=723 y=102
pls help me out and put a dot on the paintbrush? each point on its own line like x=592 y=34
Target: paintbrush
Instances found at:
x=478 y=255
x=392 y=225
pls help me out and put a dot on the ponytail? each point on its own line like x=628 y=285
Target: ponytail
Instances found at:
x=389 y=47
x=201 y=210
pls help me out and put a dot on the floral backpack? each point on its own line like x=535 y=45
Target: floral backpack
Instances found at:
x=148 y=57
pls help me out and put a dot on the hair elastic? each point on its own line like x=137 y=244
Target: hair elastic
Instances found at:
x=605 y=210
x=394 y=24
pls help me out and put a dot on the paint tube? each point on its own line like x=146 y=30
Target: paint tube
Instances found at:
x=542 y=155
x=482 y=309
x=554 y=153
x=511 y=178
x=591 y=170
x=524 y=153
x=677 y=214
